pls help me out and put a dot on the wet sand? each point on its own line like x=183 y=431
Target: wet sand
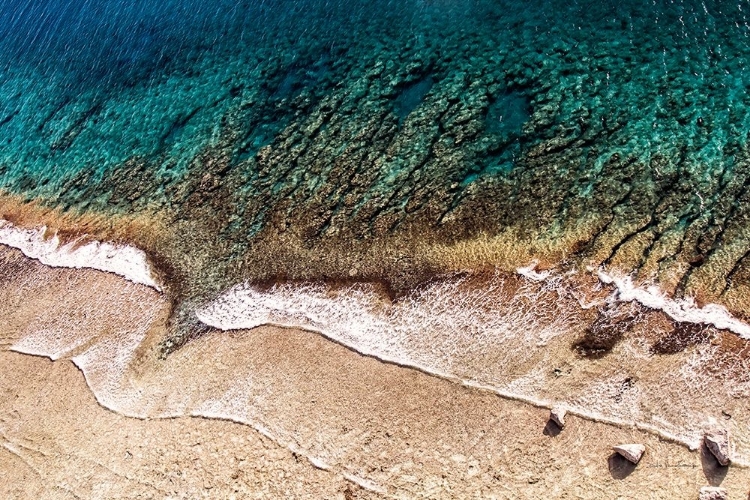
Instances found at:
x=380 y=430
x=57 y=442
x=420 y=436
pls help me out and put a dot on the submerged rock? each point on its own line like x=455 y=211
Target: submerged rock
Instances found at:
x=557 y=415
x=713 y=493
x=631 y=452
x=717 y=442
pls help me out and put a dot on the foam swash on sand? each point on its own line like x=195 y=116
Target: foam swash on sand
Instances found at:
x=126 y=261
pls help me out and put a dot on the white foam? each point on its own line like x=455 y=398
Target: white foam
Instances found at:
x=492 y=337
x=684 y=310
x=51 y=343
x=531 y=273
x=126 y=261
x=364 y=483
x=444 y=325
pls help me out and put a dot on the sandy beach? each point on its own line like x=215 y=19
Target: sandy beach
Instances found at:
x=327 y=422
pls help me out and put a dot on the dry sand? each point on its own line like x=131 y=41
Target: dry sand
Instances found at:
x=406 y=433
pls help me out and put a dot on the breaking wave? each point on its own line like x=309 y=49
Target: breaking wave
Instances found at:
x=684 y=310
x=508 y=333
x=129 y=262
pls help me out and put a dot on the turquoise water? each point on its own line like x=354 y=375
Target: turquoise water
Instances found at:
x=447 y=118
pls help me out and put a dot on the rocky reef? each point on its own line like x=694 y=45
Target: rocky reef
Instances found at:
x=393 y=141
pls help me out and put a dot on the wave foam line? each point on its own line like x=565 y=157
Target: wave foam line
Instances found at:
x=513 y=396
x=210 y=412
x=683 y=310
x=129 y=262
x=243 y=308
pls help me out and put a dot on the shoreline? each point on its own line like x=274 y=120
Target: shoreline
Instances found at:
x=685 y=468
x=598 y=282
x=318 y=385
x=133 y=264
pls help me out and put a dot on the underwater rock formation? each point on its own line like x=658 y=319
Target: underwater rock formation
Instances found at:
x=394 y=143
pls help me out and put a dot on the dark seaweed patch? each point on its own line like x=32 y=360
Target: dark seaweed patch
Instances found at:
x=605 y=333
x=8 y=118
x=173 y=133
x=683 y=335
x=301 y=77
